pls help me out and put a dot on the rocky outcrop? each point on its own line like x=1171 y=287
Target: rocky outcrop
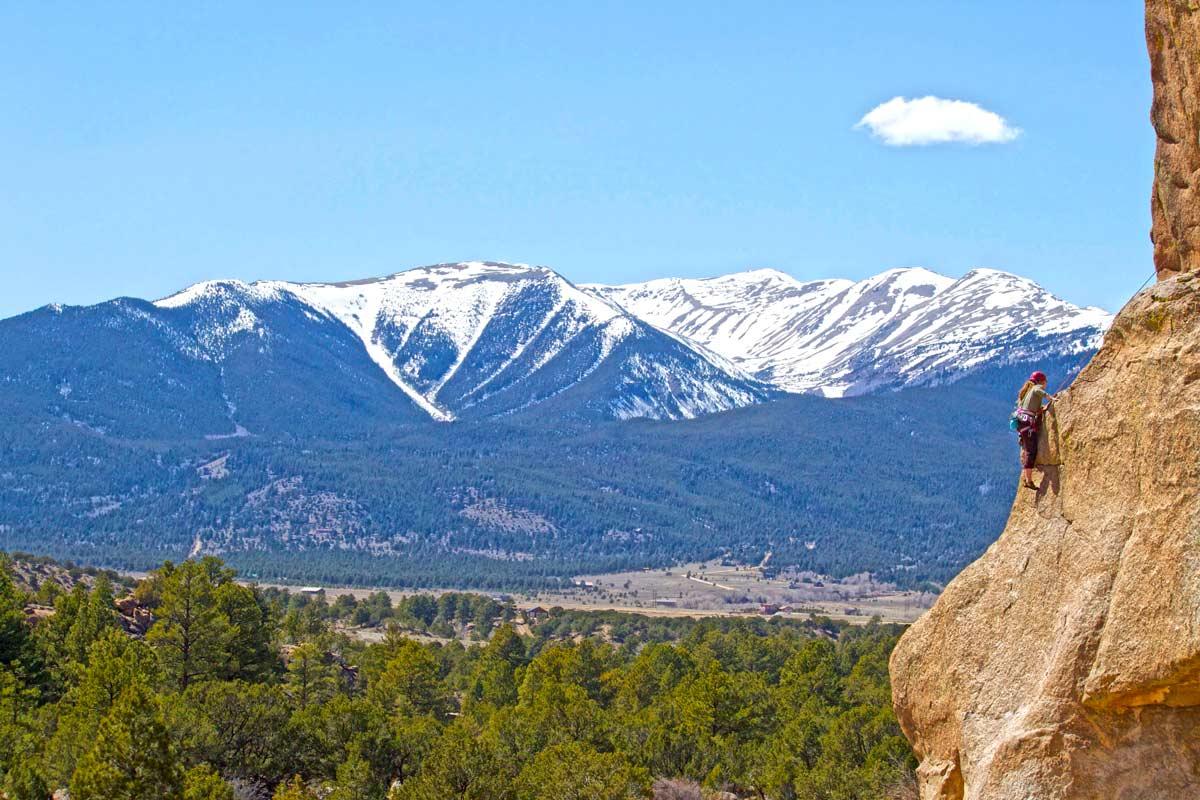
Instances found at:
x=1065 y=663
x=1173 y=38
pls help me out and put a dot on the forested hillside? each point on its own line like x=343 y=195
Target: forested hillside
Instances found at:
x=196 y=687
x=908 y=485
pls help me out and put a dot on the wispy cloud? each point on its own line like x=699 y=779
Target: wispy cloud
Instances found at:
x=901 y=122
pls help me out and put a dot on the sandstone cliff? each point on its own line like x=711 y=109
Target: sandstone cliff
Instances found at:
x=1065 y=663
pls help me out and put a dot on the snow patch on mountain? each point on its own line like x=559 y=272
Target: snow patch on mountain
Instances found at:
x=840 y=337
x=481 y=338
x=222 y=291
x=454 y=305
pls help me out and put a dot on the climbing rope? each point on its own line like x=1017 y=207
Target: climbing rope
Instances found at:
x=1079 y=378
x=1143 y=286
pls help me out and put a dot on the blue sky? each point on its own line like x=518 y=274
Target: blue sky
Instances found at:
x=145 y=147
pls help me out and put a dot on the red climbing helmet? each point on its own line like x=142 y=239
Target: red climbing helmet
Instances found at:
x=1038 y=377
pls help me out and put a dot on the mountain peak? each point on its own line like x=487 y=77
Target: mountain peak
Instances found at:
x=759 y=274
x=910 y=276
x=479 y=338
x=902 y=326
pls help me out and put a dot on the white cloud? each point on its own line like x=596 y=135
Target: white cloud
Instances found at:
x=901 y=122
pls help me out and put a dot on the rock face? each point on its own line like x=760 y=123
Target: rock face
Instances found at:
x=1064 y=664
x=1173 y=38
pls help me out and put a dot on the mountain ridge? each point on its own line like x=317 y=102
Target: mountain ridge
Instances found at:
x=473 y=340
x=254 y=417
x=451 y=341
x=838 y=337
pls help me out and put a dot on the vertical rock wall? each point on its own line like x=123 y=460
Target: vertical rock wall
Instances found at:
x=1173 y=39
x=1064 y=664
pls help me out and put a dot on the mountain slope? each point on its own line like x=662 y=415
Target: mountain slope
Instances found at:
x=117 y=368
x=231 y=363
x=837 y=337
x=226 y=359
x=477 y=339
x=482 y=340
x=284 y=368
x=518 y=501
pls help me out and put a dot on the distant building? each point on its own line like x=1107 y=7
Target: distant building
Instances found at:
x=768 y=609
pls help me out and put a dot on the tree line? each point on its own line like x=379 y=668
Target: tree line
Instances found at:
x=198 y=687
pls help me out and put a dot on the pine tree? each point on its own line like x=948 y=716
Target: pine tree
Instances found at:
x=191 y=630
x=575 y=771
x=24 y=780
x=247 y=649
x=132 y=758
x=310 y=679
x=354 y=780
x=410 y=682
x=96 y=615
x=17 y=650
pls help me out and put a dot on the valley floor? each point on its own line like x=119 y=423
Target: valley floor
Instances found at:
x=712 y=590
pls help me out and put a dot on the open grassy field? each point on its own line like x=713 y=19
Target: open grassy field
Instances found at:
x=711 y=589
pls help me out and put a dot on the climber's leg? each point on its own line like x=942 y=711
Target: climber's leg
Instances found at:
x=1029 y=438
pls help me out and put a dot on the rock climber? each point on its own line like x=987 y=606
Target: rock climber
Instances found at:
x=1032 y=401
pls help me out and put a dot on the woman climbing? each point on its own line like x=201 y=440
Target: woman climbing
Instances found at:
x=1029 y=420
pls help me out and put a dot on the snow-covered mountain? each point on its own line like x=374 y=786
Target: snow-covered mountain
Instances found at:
x=485 y=339
x=839 y=337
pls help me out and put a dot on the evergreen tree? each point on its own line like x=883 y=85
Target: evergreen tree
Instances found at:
x=191 y=630
x=780 y=709
x=203 y=783
x=132 y=758
x=247 y=649
x=115 y=662
x=25 y=779
x=95 y=616
x=244 y=730
x=355 y=780
x=575 y=771
x=310 y=677
x=18 y=652
x=461 y=766
x=410 y=683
